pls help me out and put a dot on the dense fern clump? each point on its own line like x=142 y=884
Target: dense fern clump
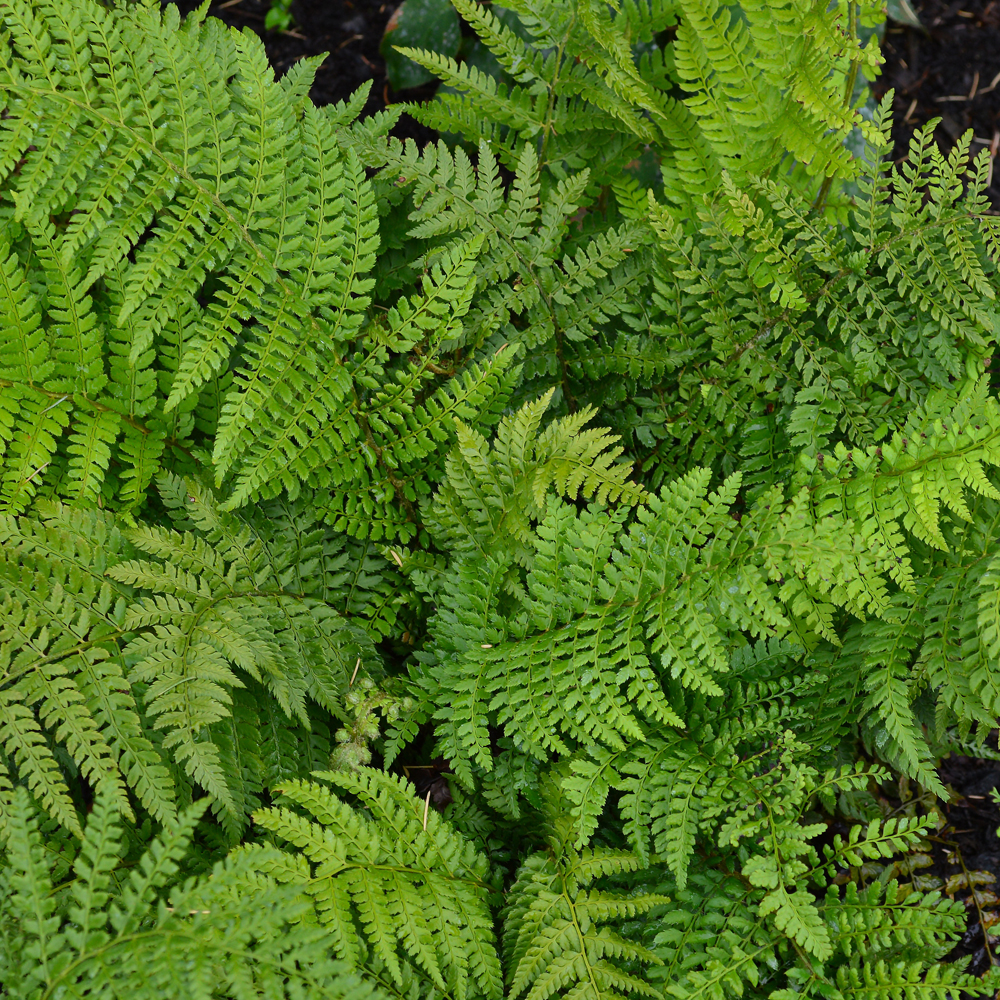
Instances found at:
x=629 y=455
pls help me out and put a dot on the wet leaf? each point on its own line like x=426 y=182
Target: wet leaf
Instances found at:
x=912 y=862
x=418 y=24
x=902 y=12
x=962 y=880
x=982 y=897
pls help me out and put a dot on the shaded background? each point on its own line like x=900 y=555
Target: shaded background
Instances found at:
x=948 y=67
x=350 y=30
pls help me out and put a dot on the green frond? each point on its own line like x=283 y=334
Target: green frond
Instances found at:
x=620 y=471
x=226 y=932
x=136 y=312
x=400 y=876
x=553 y=938
x=501 y=491
x=162 y=643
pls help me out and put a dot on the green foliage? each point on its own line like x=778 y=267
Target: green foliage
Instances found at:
x=250 y=207
x=764 y=83
x=620 y=470
x=87 y=925
x=169 y=659
x=394 y=886
x=279 y=15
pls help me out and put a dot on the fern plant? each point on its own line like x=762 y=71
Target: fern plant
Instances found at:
x=626 y=459
x=209 y=663
x=119 y=362
x=403 y=899
x=777 y=79
x=109 y=932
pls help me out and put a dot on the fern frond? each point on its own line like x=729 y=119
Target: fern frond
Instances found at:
x=411 y=885
x=553 y=940
x=229 y=932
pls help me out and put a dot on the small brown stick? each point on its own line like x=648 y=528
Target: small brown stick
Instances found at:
x=40 y=468
x=992 y=86
x=253 y=15
x=979 y=909
x=975 y=85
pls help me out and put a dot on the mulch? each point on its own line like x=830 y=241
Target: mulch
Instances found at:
x=969 y=845
x=964 y=855
x=349 y=30
x=949 y=68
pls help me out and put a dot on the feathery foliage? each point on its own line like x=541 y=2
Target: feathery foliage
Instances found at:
x=619 y=470
x=86 y=924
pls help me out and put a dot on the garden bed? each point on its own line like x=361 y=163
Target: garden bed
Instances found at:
x=948 y=67
x=350 y=30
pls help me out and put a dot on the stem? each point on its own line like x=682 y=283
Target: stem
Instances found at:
x=852 y=77
x=550 y=106
x=975 y=899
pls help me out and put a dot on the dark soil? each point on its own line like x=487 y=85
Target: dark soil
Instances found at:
x=961 y=859
x=969 y=844
x=949 y=69
x=349 y=30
